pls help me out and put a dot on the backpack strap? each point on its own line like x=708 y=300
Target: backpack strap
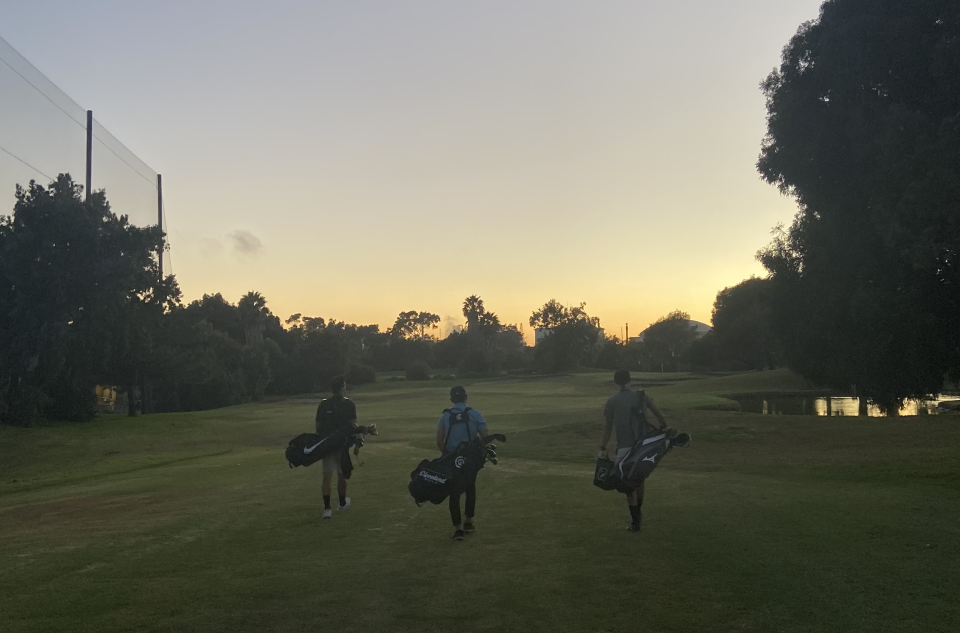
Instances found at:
x=640 y=412
x=464 y=420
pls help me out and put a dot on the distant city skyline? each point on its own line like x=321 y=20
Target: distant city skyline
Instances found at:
x=355 y=161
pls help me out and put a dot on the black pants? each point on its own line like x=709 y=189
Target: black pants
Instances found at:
x=471 y=506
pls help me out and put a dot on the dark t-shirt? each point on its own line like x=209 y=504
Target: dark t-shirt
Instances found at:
x=623 y=409
x=334 y=413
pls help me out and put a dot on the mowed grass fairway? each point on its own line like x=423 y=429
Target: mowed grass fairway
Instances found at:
x=193 y=522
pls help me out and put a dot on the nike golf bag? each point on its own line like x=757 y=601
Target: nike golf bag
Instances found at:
x=309 y=448
x=627 y=475
x=435 y=480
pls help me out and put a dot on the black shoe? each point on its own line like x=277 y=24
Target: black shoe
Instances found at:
x=634 y=527
x=458 y=535
x=468 y=528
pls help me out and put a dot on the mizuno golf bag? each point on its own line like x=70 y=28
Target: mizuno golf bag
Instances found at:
x=435 y=480
x=627 y=475
x=308 y=448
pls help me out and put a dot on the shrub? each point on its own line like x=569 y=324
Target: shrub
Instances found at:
x=358 y=374
x=475 y=362
x=418 y=371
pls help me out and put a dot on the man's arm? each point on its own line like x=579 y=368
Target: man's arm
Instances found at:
x=442 y=433
x=607 y=432
x=352 y=415
x=481 y=424
x=656 y=412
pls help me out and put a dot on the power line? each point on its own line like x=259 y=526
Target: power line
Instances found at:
x=27 y=164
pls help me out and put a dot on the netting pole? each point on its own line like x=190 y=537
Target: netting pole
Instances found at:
x=89 y=152
x=160 y=218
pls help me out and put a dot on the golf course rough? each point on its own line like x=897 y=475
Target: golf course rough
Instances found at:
x=194 y=522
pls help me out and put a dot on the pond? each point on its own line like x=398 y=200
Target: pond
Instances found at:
x=838 y=406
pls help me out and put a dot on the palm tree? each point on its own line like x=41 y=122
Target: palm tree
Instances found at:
x=253 y=313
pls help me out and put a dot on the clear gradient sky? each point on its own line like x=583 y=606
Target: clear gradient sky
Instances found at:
x=351 y=160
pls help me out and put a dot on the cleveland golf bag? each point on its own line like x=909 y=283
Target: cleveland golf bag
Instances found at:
x=627 y=475
x=309 y=448
x=435 y=480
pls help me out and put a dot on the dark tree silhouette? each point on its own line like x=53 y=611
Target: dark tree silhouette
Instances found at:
x=864 y=132
x=80 y=294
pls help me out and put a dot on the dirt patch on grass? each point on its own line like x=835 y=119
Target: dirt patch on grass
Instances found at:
x=75 y=512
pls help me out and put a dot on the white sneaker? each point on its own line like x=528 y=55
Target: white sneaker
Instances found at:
x=327 y=514
x=344 y=506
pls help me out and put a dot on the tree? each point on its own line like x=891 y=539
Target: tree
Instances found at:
x=485 y=345
x=80 y=291
x=742 y=329
x=611 y=355
x=426 y=322
x=573 y=336
x=253 y=312
x=414 y=325
x=863 y=130
x=405 y=326
x=666 y=342
x=479 y=321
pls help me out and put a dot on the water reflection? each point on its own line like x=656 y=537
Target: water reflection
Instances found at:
x=833 y=406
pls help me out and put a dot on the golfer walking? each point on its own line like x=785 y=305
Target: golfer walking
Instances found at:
x=626 y=414
x=460 y=424
x=334 y=414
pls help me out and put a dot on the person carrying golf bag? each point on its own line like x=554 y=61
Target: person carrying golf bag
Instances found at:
x=457 y=425
x=626 y=414
x=335 y=413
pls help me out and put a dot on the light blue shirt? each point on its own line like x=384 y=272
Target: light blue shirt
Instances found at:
x=461 y=432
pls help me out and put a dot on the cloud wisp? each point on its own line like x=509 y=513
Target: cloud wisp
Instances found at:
x=246 y=244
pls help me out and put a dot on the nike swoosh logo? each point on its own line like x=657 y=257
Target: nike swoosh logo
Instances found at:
x=307 y=451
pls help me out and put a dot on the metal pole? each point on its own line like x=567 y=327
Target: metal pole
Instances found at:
x=160 y=217
x=89 y=151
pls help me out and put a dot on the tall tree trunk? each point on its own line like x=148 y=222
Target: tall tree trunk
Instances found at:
x=132 y=396
x=143 y=394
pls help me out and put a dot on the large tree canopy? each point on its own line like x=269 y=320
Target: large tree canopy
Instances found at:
x=864 y=132
x=80 y=291
x=741 y=326
x=573 y=336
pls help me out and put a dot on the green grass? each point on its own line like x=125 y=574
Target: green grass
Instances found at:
x=193 y=522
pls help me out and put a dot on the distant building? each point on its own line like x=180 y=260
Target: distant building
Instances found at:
x=699 y=329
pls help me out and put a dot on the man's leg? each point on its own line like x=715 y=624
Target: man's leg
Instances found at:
x=455 y=511
x=455 y=516
x=634 y=501
x=325 y=487
x=330 y=465
x=471 y=503
x=342 y=491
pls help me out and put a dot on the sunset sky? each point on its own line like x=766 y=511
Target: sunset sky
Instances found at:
x=351 y=160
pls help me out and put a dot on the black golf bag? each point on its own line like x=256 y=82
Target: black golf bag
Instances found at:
x=627 y=474
x=309 y=448
x=435 y=480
